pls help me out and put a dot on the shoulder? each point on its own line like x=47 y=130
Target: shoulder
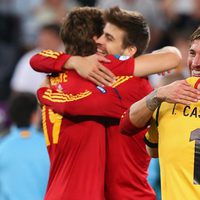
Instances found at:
x=7 y=143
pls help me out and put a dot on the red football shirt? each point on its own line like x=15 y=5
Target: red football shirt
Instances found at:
x=127 y=160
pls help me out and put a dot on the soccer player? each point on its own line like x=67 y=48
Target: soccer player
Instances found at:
x=85 y=135
x=174 y=131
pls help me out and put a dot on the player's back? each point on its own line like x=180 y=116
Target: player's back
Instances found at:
x=76 y=146
x=78 y=161
x=127 y=159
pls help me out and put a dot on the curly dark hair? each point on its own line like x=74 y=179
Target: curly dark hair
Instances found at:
x=79 y=28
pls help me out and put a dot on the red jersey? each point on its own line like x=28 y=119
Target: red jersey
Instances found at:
x=76 y=147
x=127 y=160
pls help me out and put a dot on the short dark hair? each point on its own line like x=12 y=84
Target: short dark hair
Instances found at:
x=79 y=28
x=21 y=107
x=133 y=24
x=195 y=35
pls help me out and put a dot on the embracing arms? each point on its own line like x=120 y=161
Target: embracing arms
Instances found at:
x=177 y=92
x=92 y=68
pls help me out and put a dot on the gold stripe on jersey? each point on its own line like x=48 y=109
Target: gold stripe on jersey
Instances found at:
x=50 y=53
x=120 y=80
x=56 y=120
x=44 y=125
x=53 y=52
x=62 y=98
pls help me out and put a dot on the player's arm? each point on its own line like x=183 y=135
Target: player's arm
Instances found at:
x=87 y=103
x=177 y=92
x=161 y=60
x=49 y=61
x=151 y=139
x=127 y=127
x=158 y=61
x=96 y=101
x=89 y=67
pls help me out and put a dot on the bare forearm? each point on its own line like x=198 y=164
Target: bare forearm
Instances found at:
x=142 y=111
x=91 y=68
x=159 y=61
x=176 y=92
x=72 y=62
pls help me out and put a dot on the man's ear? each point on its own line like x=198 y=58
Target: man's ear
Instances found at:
x=132 y=50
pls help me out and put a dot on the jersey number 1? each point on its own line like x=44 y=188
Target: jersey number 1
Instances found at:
x=195 y=136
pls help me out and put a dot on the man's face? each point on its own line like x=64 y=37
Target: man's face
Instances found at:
x=194 y=58
x=111 y=42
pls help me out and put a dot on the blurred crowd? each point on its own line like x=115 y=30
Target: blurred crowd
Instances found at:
x=22 y=23
x=27 y=27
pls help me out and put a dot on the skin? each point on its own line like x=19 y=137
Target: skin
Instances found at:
x=176 y=92
x=194 y=58
x=111 y=43
x=194 y=67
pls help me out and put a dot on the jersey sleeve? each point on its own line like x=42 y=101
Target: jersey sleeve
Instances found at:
x=151 y=137
x=120 y=67
x=87 y=103
x=106 y=102
x=49 y=61
x=126 y=127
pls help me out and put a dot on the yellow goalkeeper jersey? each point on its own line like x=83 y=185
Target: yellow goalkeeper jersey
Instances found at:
x=179 y=148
